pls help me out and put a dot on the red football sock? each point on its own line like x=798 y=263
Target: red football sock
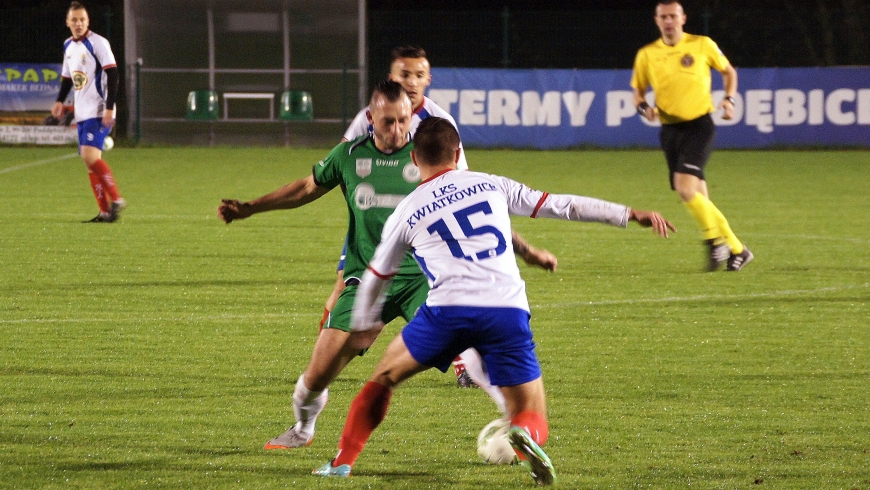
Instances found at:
x=534 y=423
x=105 y=175
x=97 y=186
x=366 y=412
x=458 y=366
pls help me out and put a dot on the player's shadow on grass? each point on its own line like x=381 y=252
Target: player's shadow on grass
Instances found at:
x=413 y=476
x=188 y=283
x=202 y=451
x=797 y=299
x=141 y=464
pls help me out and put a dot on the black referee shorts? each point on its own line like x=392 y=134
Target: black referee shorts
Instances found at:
x=688 y=145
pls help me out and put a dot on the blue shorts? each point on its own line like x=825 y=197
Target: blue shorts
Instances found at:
x=502 y=336
x=92 y=132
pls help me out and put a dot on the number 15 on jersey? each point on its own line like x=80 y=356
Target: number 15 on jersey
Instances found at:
x=462 y=217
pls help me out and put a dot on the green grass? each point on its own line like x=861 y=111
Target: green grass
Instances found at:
x=162 y=350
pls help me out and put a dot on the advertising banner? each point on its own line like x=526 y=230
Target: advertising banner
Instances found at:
x=549 y=109
x=27 y=92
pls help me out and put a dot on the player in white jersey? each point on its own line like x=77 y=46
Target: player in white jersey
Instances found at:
x=410 y=67
x=457 y=225
x=89 y=67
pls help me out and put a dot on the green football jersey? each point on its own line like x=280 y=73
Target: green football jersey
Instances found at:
x=373 y=183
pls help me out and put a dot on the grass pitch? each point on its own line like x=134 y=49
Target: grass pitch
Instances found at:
x=162 y=350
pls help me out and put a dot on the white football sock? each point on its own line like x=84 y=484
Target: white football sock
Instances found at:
x=477 y=371
x=307 y=405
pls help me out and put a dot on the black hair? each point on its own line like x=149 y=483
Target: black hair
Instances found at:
x=76 y=6
x=406 y=52
x=435 y=141
x=389 y=89
x=669 y=2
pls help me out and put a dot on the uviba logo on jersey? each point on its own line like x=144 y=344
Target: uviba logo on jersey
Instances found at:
x=365 y=197
x=79 y=79
x=363 y=167
x=411 y=173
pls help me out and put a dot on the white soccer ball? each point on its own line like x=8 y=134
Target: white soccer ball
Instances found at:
x=493 y=446
x=108 y=143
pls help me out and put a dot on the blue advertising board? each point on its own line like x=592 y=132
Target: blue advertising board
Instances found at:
x=549 y=109
x=27 y=93
x=28 y=86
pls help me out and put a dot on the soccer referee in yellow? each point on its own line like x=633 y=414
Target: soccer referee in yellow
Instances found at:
x=678 y=67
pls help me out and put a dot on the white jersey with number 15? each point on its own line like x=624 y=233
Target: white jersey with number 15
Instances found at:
x=457 y=225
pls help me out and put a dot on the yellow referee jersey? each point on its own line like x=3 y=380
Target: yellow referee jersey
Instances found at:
x=679 y=75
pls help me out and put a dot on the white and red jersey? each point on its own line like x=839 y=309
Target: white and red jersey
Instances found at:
x=85 y=61
x=457 y=224
x=360 y=124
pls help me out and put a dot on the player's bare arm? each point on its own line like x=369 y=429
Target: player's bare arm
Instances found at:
x=531 y=255
x=109 y=118
x=652 y=219
x=292 y=195
x=57 y=109
x=643 y=108
x=729 y=81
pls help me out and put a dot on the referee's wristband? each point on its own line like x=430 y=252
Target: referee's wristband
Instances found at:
x=731 y=99
x=642 y=107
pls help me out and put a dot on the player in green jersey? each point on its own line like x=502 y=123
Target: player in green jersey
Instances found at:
x=376 y=172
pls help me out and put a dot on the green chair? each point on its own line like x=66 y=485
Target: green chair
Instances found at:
x=296 y=105
x=203 y=105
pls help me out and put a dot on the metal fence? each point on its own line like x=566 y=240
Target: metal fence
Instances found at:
x=254 y=47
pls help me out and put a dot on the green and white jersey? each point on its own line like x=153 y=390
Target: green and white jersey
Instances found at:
x=373 y=183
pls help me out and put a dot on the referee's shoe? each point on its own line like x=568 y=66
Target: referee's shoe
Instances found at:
x=739 y=261
x=718 y=254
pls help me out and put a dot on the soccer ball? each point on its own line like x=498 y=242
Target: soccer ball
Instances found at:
x=493 y=446
x=108 y=143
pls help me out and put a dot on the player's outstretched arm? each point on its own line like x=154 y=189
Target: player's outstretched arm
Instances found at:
x=531 y=255
x=652 y=219
x=292 y=195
